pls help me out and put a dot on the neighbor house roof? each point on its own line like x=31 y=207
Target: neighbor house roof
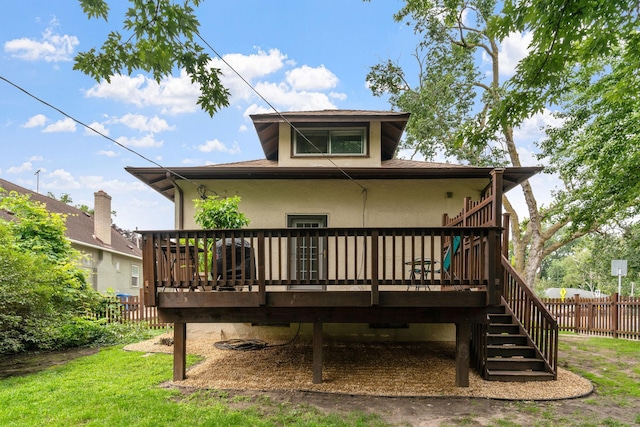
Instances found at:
x=80 y=225
x=162 y=179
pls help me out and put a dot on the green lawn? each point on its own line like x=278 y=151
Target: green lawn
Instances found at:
x=118 y=388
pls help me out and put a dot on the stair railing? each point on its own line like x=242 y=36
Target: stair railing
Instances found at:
x=538 y=322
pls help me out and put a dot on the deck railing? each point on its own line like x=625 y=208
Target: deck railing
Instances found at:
x=538 y=322
x=318 y=259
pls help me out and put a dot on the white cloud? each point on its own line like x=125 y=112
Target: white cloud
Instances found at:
x=64 y=125
x=282 y=96
x=146 y=141
x=35 y=121
x=338 y=96
x=107 y=153
x=98 y=127
x=256 y=109
x=143 y=123
x=250 y=67
x=174 y=95
x=532 y=129
x=25 y=167
x=308 y=78
x=216 y=145
x=243 y=128
x=301 y=88
x=36 y=158
x=51 y=47
x=512 y=49
x=61 y=179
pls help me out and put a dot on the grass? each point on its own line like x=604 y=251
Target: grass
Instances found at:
x=117 y=388
x=613 y=365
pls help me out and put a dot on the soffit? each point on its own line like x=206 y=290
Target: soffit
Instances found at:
x=161 y=180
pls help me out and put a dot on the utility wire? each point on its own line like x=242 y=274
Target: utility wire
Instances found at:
x=278 y=112
x=97 y=131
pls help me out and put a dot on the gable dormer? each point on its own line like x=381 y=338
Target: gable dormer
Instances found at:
x=348 y=138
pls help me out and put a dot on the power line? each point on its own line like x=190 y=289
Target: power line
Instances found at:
x=97 y=131
x=279 y=113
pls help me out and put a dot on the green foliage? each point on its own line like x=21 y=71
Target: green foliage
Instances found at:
x=213 y=212
x=443 y=98
x=43 y=294
x=35 y=229
x=586 y=264
x=161 y=40
x=583 y=57
x=597 y=148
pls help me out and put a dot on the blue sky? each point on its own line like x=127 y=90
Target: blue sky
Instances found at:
x=300 y=55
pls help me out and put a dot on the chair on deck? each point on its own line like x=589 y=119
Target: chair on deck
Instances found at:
x=446 y=263
x=421 y=267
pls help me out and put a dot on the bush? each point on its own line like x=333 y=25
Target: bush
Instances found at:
x=42 y=290
x=83 y=332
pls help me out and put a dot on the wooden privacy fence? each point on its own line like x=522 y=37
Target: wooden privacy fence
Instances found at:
x=616 y=316
x=131 y=308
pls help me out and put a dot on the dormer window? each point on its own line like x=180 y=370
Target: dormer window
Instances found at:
x=343 y=141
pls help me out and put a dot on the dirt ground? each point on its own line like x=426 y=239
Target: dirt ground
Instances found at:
x=351 y=378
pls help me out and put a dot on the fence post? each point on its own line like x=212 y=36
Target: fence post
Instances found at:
x=576 y=320
x=614 y=314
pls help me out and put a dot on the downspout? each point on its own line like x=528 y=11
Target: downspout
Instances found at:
x=180 y=201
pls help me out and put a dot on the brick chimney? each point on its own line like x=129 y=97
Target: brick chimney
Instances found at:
x=102 y=217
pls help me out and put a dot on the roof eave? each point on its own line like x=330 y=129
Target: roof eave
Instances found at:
x=160 y=179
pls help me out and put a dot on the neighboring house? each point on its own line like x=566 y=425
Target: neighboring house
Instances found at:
x=109 y=259
x=343 y=237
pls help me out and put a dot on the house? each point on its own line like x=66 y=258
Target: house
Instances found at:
x=353 y=243
x=109 y=259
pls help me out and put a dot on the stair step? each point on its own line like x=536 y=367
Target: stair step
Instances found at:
x=515 y=364
x=504 y=328
x=505 y=339
x=510 y=351
x=500 y=309
x=518 y=376
x=500 y=318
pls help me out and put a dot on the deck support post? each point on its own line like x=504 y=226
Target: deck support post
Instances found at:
x=317 y=352
x=179 y=351
x=463 y=336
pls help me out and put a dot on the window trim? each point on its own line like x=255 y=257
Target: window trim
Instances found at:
x=136 y=276
x=364 y=129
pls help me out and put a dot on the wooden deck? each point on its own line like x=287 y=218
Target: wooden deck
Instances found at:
x=454 y=274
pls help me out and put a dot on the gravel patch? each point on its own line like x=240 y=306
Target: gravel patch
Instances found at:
x=374 y=369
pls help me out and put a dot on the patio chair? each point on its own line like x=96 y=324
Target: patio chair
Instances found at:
x=446 y=262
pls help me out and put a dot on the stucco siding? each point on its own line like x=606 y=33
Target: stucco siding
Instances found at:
x=385 y=203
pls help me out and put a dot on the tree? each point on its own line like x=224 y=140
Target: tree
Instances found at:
x=214 y=212
x=471 y=116
x=586 y=263
x=161 y=38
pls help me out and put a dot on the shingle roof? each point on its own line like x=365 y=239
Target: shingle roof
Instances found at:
x=79 y=224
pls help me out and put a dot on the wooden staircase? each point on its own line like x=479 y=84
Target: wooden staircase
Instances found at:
x=511 y=355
